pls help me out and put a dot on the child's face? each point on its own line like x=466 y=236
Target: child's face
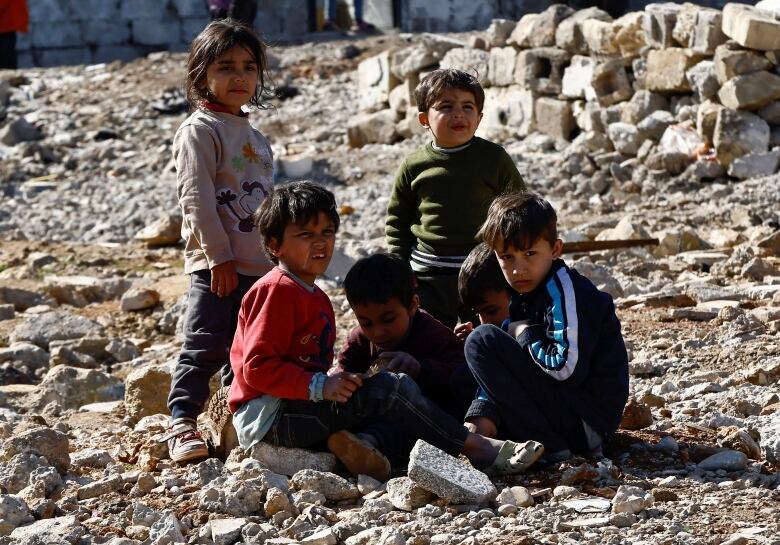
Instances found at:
x=494 y=308
x=525 y=269
x=386 y=324
x=232 y=78
x=452 y=118
x=305 y=250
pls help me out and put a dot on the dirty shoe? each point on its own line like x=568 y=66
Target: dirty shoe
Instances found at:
x=359 y=456
x=217 y=425
x=184 y=441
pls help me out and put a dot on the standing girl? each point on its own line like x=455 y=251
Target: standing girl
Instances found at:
x=225 y=169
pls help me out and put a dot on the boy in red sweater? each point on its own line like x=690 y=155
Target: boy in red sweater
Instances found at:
x=284 y=345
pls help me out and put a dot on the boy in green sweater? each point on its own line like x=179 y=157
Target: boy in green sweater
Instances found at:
x=443 y=190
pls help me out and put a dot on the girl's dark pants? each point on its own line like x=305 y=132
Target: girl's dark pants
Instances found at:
x=209 y=326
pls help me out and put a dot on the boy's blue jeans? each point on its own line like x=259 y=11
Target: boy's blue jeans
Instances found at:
x=523 y=402
x=209 y=326
x=394 y=399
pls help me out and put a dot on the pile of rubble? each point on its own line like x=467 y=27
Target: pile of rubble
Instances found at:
x=670 y=88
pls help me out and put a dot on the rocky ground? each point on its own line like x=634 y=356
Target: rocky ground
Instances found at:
x=88 y=333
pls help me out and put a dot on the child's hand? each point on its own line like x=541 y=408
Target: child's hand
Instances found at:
x=224 y=278
x=481 y=425
x=462 y=330
x=401 y=362
x=341 y=386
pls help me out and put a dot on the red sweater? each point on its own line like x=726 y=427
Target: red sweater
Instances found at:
x=429 y=341
x=285 y=335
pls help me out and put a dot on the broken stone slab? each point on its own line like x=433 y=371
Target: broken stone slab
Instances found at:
x=53 y=326
x=685 y=22
x=546 y=23
x=577 y=77
x=14 y=512
x=554 y=117
x=499 y=31
x=655 y=124
x=666 y=69
x=407 y=495
x=599 y=36
x=46 y=442
x=226 y=531
x=703 y=80
x=706 y=259
x=65 y=529
x=472 y=61
x=508 y=113
x=448 y=477
x=707 y=31
x=541 y=69
x=521 y=35
x=755 y=165
x=731 y=60
x=629 y=36
x=631 y=499
x=413 y=59
x=146 y=392
x=568 y=35
x=323 y=537
x=739 y=133
x=750 y=27
x=138 y=299
x=163 y=231
x=72 y=387
x=659 y=24
x=100 y=488
x=610 y=83
x=750 y=91
x=692 y=314
x=375 y=80
x=332 y=486
x=372 y=128
x=166 y=529
x=290 y=461
x=501 y=66
x=643 y=104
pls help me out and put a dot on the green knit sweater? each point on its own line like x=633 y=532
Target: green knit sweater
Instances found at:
x=440 y=200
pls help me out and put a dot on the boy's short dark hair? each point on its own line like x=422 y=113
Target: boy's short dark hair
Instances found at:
x=296 y=202
x=432 y=85
x=520 y=219
x=379 y=278
x=479 y=274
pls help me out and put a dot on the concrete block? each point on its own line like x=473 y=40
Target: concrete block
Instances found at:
x=731 y=60
x=191 y=27
x=544 y=26
x=541 y=69
x=521 y=35
x=93 y=10
x=554 y=117
x=508 y=113
x=109 y=53
x=473 y=61
x=105 y=32
x=49 y=11
x=372 y=128
x=755 y=165
x=56 y=35
x=685 y=23
x=190 y=8
x=751 y=91
x=610 y=83
x=501 y=66
x=737 y=134
x=750 y=27
x=629 y=37
x=707 y=32
x=375 y=80
x=448 y=477
x=577 y=77
x=659 y=24
x=499 y=31
x=143 y=9
x=163 y=31
x=706 y=117
x=568 y=35
x=600 y=37
x=64 y=56
x=703 y=80
x=666 y=69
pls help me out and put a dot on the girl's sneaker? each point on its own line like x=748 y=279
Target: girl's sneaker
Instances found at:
x=185 y=443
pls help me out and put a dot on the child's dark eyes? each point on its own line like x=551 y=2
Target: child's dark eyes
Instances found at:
x=387 y=320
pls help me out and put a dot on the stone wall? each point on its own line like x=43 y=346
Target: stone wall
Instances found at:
x=94 y=31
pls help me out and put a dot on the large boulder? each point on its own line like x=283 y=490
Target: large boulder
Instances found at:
x=72 y=387
x=55 y=326
x=146 y=392
x=46 y=442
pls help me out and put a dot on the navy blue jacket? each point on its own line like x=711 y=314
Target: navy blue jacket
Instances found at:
x=575 y=339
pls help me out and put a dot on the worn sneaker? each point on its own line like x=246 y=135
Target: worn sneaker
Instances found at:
x=359 y=456
x=217 y=425
x=185 y=443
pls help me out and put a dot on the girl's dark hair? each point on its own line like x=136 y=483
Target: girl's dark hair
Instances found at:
x=298 y=203
x=213 y=41
x=379 y=278
x=520 y=219
x=432 y=86
x=479 y=274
